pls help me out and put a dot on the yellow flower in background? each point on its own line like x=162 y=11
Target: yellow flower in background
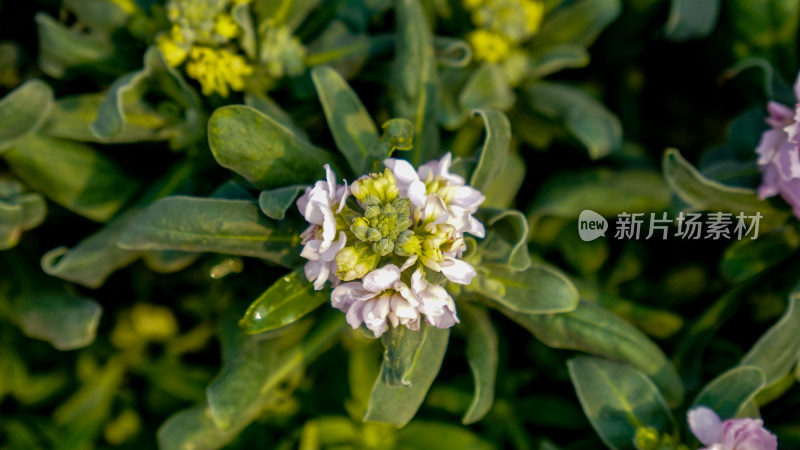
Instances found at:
x=489 y=45
x=226 y=26
x=174 y=53
x=217 y=70
x=502 y=26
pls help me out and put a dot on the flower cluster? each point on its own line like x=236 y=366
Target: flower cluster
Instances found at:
x=394 y=243
x=731 y=434
x=501 y=27
x=200 y=35
x=779 y=153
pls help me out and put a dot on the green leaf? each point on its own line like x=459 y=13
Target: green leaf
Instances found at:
x=352 y=128
x=618 y=399
x=62 y=48
x=482 y=357
x=731 y=391
x=537 y=290
x=196 y=224
x=592 y=329
x=506 y=239
x=503 y=192
x=402 y=351
x=422 y=435
x=94 y=258
x=288 y=299
x=125 y=100
x=233 y=402
x=247 y=39
x=102 y=15
x=604 y=191
x=415 y=84
x=398 y=134
x=704 y=194
x=778 y=350
x=747 y=257
x=275 y=202
x=271 y=109
x=344 y=50
x=579 y=22
x=398 y=405
x=583 y=116
x=18 y=212
x=73 y=116
x=691 y=19
x=66 y=321
x=23 y=110
x=73 y=175
x=494 y=152
x=554 y=59
x=452 y=52
x=487 y=88
x=261 y=150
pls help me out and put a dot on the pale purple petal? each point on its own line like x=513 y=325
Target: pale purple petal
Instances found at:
x=381 y=279
x=705 y=425
x=747 y=434
x=458 y=271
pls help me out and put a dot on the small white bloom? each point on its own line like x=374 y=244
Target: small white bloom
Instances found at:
x=380 y=297
x=317 y=205
x=460 y=201
x=434 y=301
x=457 y=271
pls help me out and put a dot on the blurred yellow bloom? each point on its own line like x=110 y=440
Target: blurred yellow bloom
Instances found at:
x=173 y=53
x=489 y=45
x=153 y=322
x=226 y=26
x=472 y=4
x=217 y=70
x=534 y=13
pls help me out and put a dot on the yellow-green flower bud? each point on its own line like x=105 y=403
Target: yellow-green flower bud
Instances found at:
x=647 y=438
x=382 y=186
x=408 y=244
x=355 y=261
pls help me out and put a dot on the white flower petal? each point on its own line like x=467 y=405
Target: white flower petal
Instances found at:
x=409 y=262
x=330 y=253
x=381 y=279
x=355 y=314
x=705 y=425
x=458 y=271
x=311 y=250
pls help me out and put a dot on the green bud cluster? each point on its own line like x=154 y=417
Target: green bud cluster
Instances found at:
x=648 y=438
x=383 y=224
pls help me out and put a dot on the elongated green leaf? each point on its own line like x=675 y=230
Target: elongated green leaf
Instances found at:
x=72 y=118
x=537 y=290
x=618 y=399
x=287 y=300
x=18 y=212
x=212 y=225
x=402 y=351
x=747 y=257
x=778 y=350
x=606 y=192
x=586 y=118
x=62 y=48
x=340 y=47
x=691 y=20
x=487 y=88
x=482 y=357
x=416 y=81
x=506 y=239
x=422 y=435
x=239 y=396
x=579 y=23
x=704 y=194
x=275 y=202
x=565 y=56
x=494 y=151
x=398 y=134
x=73 y=175
x=126 y=100
x=93 y=259
x=271 y=109
x=352 y=128
x=260 y=149
x=503 y=195
x=66 y=321
x=10 y=220
x=732 y=390
x=102 y=15
x=398 y=405
x=23 y=110
x=592 y=329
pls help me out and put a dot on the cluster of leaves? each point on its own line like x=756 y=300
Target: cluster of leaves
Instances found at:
x=153 y=292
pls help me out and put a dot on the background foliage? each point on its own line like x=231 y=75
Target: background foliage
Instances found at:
x=151 y=292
